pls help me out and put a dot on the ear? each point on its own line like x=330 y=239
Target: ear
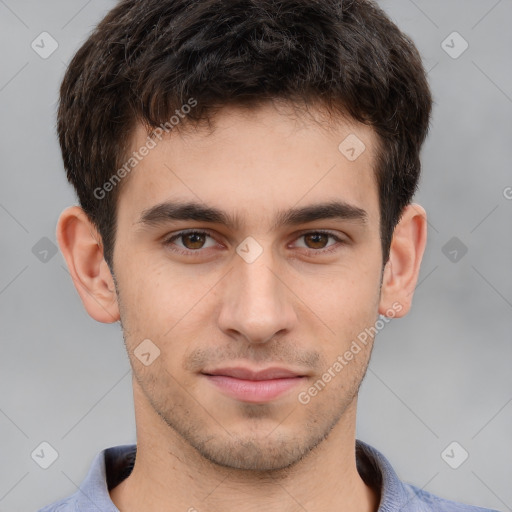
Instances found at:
x=403 y=267
x=82 y=249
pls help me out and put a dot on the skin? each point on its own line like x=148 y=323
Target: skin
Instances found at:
x=294 y=306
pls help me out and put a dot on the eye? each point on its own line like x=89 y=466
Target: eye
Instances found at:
x=318 y=241
x=191 y=241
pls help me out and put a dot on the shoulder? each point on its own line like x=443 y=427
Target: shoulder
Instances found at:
x=64 y=505
x=395 y=494
x=108 y=468
x=424 y=501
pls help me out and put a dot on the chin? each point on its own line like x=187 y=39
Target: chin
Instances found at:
x=256 y=455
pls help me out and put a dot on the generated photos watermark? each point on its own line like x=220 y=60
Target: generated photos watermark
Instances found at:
x=343 y=360
x=151 y=143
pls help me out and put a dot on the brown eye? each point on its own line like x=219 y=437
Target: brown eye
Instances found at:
x=193 y=240
x=316 y=240
x=319 y=242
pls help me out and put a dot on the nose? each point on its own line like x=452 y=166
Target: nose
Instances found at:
x=256 y=302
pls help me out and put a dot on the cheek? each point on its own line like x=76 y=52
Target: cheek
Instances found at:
x=345 y=300
x=145 y=310
x=146 y=283
x=163 y=306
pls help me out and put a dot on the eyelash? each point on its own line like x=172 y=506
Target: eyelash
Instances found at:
x=189 y=252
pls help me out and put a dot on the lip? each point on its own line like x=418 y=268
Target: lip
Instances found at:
x=253 y=386
x=240 y=372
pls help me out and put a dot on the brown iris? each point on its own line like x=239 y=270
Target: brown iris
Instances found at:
x=319 y=240
x=197 y=240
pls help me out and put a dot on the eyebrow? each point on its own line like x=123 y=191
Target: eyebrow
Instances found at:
x=187 y=211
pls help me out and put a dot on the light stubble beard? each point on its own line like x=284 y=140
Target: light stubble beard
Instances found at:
x=276 y=450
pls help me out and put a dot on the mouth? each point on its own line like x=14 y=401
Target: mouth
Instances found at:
x=253 y=386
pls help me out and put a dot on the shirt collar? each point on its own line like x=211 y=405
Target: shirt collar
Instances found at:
x=113 y=465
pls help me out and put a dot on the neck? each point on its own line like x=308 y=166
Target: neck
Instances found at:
x=169 y=474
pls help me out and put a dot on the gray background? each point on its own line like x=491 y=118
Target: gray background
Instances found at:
x=441 y=374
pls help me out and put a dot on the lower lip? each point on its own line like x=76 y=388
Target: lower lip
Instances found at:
x=253 y=390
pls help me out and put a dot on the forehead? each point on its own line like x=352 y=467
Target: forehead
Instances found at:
x=254 y=163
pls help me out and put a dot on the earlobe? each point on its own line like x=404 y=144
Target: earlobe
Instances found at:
x=402 y=269
x=81 y=247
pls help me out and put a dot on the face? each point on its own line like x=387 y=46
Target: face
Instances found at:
x=251 y=249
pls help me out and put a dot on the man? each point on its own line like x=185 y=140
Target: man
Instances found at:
x=245 y=172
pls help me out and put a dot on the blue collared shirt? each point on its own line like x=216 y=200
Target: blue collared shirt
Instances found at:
x=113 y=465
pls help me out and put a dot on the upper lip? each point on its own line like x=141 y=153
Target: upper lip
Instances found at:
x=248 y=374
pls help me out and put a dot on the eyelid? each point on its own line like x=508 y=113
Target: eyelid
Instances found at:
x=334 y=234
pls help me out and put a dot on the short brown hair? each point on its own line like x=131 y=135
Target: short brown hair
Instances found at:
x=147 y=58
